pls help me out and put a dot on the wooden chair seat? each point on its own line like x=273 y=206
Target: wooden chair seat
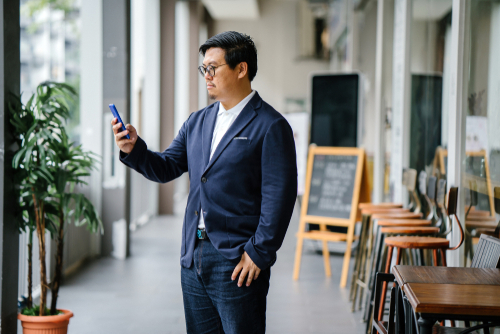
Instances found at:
x=417 y=242
x=403 y=222
x=379 y=205
x=402 y=215
x=370 y=211
x=429 y=230
x=474 y=212
x=481 y=218
x=325 y=235
x=486 y=231
x=471 y=224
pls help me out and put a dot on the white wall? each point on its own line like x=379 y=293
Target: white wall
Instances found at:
x=145 y=112
x=366 y=65
x=280 y=74
x=423 y=46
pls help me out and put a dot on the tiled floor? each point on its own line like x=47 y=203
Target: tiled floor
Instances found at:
x=143 y=293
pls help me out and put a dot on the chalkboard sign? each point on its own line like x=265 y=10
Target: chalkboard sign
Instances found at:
x=477 y=172
x=336 y=181
x=332 y=186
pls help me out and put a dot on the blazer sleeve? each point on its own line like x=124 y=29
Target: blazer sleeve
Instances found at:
x=279 y=193
x=159 y=166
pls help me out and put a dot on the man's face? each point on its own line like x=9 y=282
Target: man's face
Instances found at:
x=223 y=83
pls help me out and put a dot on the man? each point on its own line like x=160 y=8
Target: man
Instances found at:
x=240 y=156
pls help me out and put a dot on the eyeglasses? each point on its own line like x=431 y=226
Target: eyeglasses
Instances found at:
x=210 y=69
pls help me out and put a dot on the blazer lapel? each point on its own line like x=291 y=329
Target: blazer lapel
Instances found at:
x=246 y=116
x=208 y=131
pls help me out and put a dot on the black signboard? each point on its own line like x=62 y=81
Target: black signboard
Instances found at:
x=332 y=186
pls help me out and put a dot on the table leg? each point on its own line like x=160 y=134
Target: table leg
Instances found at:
x=425 y=325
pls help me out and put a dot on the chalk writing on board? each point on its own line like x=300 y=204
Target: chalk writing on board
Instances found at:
x=332 y=186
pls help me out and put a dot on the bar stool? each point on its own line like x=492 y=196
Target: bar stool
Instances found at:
x=415 y=242
x=364 y=248
x=433 y=219
x=400 y=219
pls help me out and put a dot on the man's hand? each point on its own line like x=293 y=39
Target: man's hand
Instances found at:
x=124 y=144
x=246 y=266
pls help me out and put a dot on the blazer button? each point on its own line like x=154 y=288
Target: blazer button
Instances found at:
x=196 y=213
x=204 y=179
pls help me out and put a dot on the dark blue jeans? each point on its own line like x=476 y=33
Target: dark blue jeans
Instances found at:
x=215 y=304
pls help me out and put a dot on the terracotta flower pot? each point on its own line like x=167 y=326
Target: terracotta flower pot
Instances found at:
x=51 y=324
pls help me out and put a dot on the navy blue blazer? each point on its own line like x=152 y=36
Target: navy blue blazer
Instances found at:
x=247 y=190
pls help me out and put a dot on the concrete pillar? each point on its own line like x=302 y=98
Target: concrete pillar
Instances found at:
x=116 y=89
x=10 y=73
x=167 y=96
x=400 y=141
x=182 y=71
x=457 y=111
x=91 y=88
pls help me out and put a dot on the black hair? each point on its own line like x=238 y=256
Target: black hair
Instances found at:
x=238 y=48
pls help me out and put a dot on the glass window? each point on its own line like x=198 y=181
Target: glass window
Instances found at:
x=481 y=175
x=50 y=48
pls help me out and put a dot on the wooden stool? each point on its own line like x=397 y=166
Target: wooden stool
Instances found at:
x=379 y=205
x=415 y=242
x=365 y=243
x=377 y=254
x=402 y=228
x=365 y=238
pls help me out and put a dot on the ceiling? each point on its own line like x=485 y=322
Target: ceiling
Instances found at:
x=232 y=9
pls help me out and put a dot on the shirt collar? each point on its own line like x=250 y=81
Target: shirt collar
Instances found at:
x=237 y=108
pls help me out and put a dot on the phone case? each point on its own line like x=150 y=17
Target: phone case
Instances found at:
x=117 y=115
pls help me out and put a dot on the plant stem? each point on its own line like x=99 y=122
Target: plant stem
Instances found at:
x=30 y=269
x=59 y=262
x=40 y=229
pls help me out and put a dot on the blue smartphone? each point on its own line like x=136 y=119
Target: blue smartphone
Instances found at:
x=117 y=115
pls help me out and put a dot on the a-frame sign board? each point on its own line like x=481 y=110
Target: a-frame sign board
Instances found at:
x=336 y=182
x=479 y=175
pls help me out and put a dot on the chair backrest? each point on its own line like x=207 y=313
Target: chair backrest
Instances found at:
x=452 y=211
x=440 y=208
x=487 y=253
x=411 y=182
x=431 y=195
x=431 y=188
x=422 y=188
x=497 y=199
x=472 y=197
x=497 y=207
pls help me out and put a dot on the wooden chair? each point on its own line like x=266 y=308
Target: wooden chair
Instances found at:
x=415 y=242
x=478 y=222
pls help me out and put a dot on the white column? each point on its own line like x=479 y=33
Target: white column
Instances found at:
x=181 y=109
x=379 y=154
x=202 y=85
x=181 y=63
x=91 y=99
x=151 y=92
x=494 y=79
x=456 y=115
x=400 y=141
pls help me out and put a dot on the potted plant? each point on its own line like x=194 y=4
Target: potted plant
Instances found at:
x=48 y=167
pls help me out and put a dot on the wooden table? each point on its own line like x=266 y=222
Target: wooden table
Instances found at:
x=446 y=275
x=439 y=293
